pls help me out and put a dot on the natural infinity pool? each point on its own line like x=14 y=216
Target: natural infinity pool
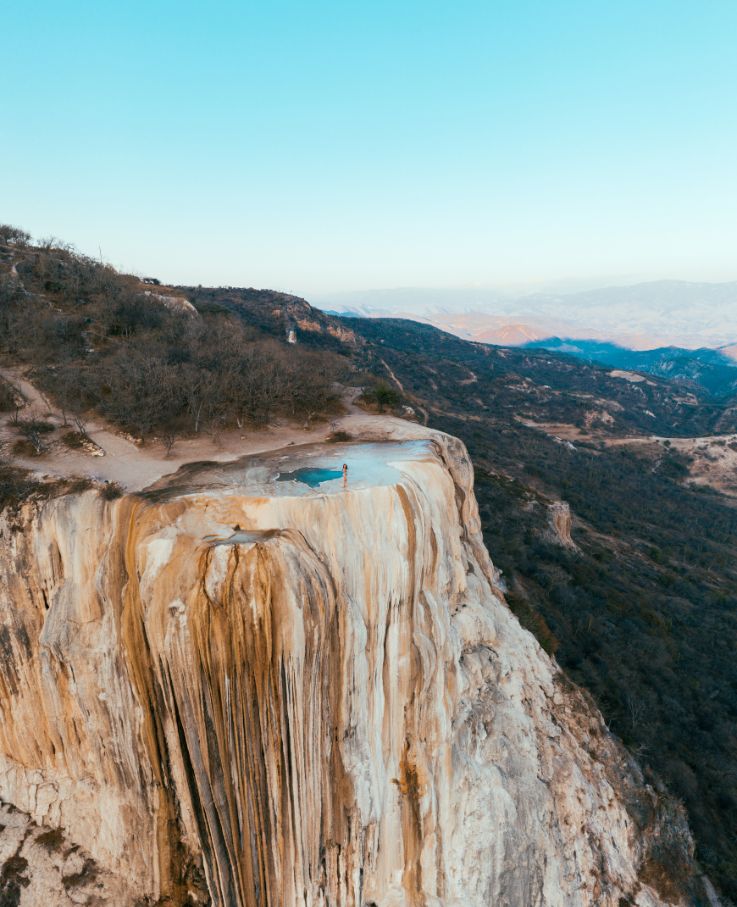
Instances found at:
x=304 y=470
x=310 y=475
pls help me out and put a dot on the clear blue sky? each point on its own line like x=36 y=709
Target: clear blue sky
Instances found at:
x=316 y=146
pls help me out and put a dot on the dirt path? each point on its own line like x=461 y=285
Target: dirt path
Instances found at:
x=393 y=376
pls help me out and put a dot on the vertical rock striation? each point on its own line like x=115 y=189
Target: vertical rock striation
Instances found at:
x=241 y=691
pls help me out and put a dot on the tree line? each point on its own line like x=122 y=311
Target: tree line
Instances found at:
x=98 y=342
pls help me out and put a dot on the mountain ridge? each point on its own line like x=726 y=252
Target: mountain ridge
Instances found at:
x=715 y=370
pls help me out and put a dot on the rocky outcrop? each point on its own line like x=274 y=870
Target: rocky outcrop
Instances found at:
x=244 y=691
x=178 y=304
x=560 y=522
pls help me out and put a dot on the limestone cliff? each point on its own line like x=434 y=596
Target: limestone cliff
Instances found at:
x=255 y=686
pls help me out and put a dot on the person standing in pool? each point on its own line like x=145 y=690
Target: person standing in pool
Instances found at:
x=345 y=475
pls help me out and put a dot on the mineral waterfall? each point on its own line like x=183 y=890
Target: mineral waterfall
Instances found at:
x=239 y=689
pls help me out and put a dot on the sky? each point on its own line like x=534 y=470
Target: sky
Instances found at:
x=323 y=146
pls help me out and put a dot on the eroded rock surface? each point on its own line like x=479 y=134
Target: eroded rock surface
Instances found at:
x=243 y=691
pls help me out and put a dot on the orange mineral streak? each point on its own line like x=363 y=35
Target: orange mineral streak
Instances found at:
x=137 y=650
x=260 y=710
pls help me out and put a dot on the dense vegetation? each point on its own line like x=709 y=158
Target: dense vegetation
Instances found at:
x=101 y=342
x=509 y=385
x=643 y=612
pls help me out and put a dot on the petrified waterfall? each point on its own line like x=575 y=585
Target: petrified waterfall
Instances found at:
x=241 y=690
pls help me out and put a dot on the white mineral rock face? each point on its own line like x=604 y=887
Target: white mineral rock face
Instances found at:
x=243 y=692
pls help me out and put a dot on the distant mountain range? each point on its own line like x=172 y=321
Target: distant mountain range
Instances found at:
x=682 y=331
x=642 y=316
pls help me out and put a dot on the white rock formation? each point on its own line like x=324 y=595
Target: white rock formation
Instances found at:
x=242 y=691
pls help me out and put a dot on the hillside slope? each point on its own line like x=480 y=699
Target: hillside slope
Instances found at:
x=711 y=370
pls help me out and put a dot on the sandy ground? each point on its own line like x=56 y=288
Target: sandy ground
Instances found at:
x=136 y=466
x=714 y=462
x=713 y=457
x=562 y=431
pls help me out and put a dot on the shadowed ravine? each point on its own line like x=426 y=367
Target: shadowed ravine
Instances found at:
x=256 y=693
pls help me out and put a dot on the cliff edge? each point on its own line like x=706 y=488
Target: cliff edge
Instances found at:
x=254 y=684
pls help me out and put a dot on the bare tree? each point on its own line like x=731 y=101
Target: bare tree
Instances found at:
x=168 y=439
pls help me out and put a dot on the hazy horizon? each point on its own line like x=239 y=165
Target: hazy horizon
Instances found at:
x=563 y=287
x=640 y=315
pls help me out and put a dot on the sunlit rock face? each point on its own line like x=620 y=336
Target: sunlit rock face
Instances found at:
x=241 y=690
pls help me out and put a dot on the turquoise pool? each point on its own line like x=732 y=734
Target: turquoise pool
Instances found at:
x=311 y=475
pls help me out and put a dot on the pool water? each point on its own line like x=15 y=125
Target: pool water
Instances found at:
x=310 y=475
